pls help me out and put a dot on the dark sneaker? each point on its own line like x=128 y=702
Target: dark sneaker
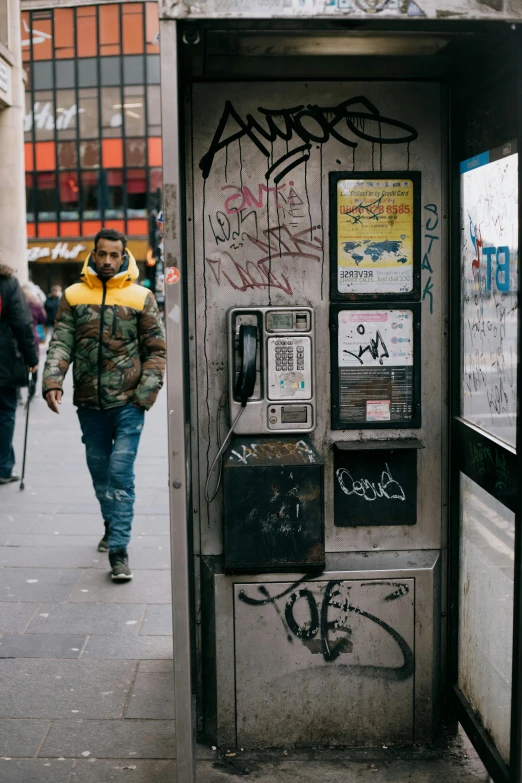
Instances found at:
x=119 y=561
x=9 y=479
x=103 y=546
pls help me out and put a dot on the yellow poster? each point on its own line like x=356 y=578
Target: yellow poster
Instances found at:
x=375 y=235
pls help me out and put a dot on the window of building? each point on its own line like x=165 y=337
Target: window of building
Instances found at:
x=43 y=116
x=46 y=195
x=69 y=194
x=65 y=74
x=110 y=71
x=64 y=33
x=113 y=194
x=66 y=114
x=155 y=187
x=89 y=154
x=88 y=113
x=136 y=193
x=67 y=155
x=132 y=25
x=30 y=198
x=112 y=111
x=109 y=29
x=92 y=122
x=91 y=202
x=87 y=31
x=134 y=110
x=154 y=110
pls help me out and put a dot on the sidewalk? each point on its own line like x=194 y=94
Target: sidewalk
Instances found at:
x=86 y=671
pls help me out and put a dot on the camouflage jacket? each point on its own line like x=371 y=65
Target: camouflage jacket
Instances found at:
x=112 y=334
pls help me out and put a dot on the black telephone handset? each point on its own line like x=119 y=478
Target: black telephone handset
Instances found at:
x=248 y=353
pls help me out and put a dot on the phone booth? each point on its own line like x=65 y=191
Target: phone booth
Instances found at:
x=341 y=249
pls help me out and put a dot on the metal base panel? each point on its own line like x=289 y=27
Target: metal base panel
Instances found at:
x=349 y=657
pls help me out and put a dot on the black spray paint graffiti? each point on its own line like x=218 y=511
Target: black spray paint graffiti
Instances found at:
x=315 y=634
x=376 y=348
x=432 y=221
x=310 y=123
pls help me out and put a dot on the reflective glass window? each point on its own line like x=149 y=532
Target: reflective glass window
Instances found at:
x=87 y=72
x=113 y=194
x=110 y=71
x=63 y=33
x=26 y=36
x=153 y=69
x=135 y=152
x=489 y=273
x=67 y=155
x=133 y=69
x=88 y=113
x=65 y=73
x=134 y=111
x=30 y=198
x=46 y=195
x=155 y=185
x=41 y=34
x=152 y=27
x=154 y=110
x=136 y=193
x=69 y=194
x=89 y=154
x=28 y=116
x=109 y=29
x=111 y=111
x=43 y=76
x=87 y=31
x=43 y=116
x=132 y=24
x=90 y=195
x=66 y=114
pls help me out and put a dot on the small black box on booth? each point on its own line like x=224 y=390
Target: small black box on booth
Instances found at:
x=375 y=483
x=273 y=505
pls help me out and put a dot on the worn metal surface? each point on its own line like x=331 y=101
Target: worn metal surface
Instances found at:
x=338 y=9
x=179 y=480
x=349 y=657
x=274 y=510
x=241 y=224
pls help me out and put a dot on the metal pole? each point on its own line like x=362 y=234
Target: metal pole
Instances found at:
x=176 y=340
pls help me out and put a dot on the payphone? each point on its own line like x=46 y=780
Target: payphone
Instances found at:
x=271 y=367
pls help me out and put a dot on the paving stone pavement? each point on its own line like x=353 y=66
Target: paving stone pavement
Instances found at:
x=85 y=665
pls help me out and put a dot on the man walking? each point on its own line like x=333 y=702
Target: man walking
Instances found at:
x=110 y=329
x=18 y=354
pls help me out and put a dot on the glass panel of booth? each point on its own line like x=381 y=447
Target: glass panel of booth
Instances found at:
x=487 y=539
x=489 y=260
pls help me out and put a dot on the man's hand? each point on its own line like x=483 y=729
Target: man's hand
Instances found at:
x=54 y=399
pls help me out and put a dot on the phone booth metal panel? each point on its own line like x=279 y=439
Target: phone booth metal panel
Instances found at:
x=285 y=170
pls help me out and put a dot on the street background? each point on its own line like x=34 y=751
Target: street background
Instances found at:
x=86 y=670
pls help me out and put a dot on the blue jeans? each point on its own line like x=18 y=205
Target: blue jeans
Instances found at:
x=8 y=401
x=111 y=440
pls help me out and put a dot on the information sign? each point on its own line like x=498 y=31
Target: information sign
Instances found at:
x=375 y=378
x=372 y=226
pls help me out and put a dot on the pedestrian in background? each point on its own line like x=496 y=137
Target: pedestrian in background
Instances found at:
x=37 y=314
x=18 y=355
x=111 y=330
x=51 y=308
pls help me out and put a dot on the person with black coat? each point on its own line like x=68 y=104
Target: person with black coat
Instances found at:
x=18 y=355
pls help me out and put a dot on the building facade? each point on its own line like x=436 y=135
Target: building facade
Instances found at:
x=92 y=130
x=12 y=201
